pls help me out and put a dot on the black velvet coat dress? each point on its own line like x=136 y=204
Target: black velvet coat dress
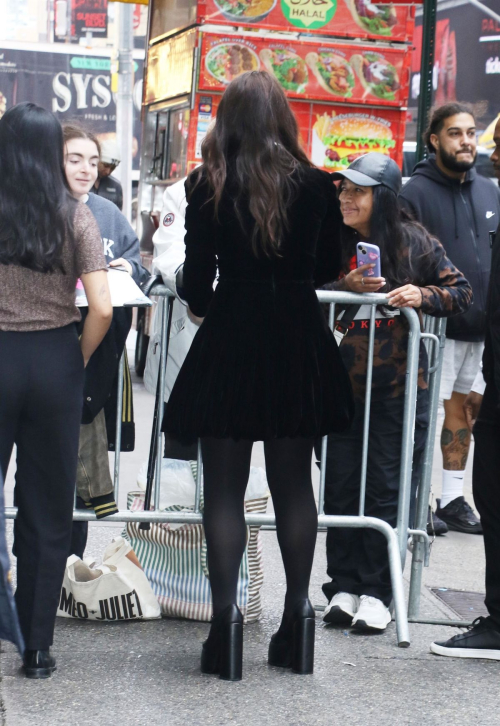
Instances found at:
x=264 y=363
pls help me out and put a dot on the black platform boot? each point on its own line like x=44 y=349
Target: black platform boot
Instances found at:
x=293 y=645
x=38 y=663
x=222 y=652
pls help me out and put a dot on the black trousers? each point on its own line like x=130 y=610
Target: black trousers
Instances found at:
x=486 y=490
x=41 y=395
x=357 y=558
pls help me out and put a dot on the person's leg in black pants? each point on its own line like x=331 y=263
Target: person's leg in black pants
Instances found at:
x=41 y=389
x=486 y=491
x=226 y=467
x=357 y=558
x=288 y=468
x=483 y=639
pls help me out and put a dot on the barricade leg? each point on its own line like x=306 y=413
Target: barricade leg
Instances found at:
x=418 y=555
x=118 y=434
x=408 y=435
x=402 y=630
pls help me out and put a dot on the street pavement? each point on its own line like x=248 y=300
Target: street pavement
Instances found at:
x=143 y=673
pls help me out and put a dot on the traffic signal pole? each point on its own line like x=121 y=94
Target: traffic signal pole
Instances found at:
x=124 y=102
x=426 y=72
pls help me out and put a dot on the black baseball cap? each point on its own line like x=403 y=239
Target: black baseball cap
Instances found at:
x=371 y=170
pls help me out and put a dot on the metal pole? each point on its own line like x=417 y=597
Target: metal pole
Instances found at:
x=166 y=315
x=366 y=422
x=418 y=555
x=199 y=465
x=125 y=102
x=118 y=434
x=408 y=434
x=324 y=440
x=426 y=72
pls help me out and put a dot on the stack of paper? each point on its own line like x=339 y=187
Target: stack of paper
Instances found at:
x=124 y=291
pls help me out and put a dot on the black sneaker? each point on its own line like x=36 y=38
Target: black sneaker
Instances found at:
x=435 y=526
x=482 y=640
x=459 y=516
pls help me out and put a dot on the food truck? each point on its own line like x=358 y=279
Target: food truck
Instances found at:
x=344 y=65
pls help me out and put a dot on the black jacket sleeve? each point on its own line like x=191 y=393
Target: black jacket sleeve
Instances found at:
x=200 y=266
x=445 y=291
x=329 y=250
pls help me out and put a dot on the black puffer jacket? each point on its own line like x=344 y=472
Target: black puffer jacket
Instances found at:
x=461 y=216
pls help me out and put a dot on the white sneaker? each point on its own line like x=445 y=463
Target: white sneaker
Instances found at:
x=341 y=609
x=372 y=615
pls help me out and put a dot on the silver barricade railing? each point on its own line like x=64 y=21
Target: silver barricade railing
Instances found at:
x=435 y=331
x=396 y=538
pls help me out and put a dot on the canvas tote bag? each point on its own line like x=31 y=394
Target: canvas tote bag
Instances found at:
x=116 y=590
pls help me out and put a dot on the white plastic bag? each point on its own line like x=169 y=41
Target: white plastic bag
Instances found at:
x=178 y=485
x=116 y=590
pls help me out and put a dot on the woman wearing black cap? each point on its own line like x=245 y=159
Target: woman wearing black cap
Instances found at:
x=416 y=273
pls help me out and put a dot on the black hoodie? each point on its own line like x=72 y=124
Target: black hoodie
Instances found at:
x=461 y=216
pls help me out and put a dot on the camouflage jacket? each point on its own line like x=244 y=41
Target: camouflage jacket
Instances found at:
x=445 y=292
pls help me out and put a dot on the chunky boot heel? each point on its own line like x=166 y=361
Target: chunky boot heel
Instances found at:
x=303 y=646
x=293 y=645
x=210 y=657
x=280 y=652
x=222 y=652
x=231 y=656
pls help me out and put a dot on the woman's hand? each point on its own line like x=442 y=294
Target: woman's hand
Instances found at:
x=122 y=262
x=194 y=318
x=355 y=282
x=408 y=296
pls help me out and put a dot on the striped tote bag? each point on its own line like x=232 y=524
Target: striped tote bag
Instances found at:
x=174 y=558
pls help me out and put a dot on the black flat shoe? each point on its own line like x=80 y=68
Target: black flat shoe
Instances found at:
x=293 y=645
x=222 y=652
x=38 y=664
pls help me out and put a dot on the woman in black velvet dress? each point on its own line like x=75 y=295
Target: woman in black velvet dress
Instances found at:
x=264 y=365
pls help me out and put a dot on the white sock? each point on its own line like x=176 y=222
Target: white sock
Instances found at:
x=453 y=486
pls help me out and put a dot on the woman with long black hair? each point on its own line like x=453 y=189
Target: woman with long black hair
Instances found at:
x=263 y=365
x=416 y=273
x=47 y=241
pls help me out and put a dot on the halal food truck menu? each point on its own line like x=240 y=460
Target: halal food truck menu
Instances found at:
x=343 y=73
x=346 y=18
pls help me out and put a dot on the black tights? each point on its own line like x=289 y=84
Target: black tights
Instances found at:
x=226 y=467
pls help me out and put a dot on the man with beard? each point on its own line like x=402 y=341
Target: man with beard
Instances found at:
x=482 y=640
x=460 y=208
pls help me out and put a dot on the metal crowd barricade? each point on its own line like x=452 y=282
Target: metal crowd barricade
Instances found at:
x=396 y=538
x=435 y=328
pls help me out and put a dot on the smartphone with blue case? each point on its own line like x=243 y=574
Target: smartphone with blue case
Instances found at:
x=366 y=254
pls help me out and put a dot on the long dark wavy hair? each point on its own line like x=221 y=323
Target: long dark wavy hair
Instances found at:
x=36 y=206
x=404 y=244
x=256 y=140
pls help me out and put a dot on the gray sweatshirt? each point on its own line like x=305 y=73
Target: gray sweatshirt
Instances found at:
x=118 y=237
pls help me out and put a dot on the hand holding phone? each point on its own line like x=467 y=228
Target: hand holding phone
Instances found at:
x=367 y=254
x=366 y=277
